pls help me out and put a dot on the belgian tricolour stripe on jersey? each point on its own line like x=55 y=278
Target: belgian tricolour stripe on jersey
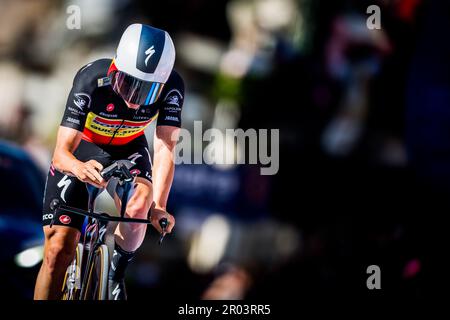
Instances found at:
x=154 y=93
x=101 y=130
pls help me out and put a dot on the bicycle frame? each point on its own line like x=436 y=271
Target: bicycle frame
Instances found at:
x=94 y=237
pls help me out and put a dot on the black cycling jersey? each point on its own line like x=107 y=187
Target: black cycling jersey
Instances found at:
x=102 y=115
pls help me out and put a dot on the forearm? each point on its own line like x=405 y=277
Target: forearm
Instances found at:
x=66 y=143
x=163 y=171
x=64 y=161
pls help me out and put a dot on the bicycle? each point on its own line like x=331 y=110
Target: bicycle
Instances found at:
x=86 y=277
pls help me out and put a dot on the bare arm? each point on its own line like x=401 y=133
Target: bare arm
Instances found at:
x=67 y=141
x=165 y=140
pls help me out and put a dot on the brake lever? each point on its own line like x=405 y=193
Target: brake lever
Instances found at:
x=163 y=223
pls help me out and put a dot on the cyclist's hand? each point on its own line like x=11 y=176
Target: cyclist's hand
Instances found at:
x=157 y=214
x=89 y=172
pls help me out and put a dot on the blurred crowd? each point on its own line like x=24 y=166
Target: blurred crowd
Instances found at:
x=364 y=120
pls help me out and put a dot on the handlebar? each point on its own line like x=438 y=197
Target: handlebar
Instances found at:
x=58 y=208
x=163 y=223
x=120 y=170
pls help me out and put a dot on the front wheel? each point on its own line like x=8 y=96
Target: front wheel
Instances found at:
x=97 y=278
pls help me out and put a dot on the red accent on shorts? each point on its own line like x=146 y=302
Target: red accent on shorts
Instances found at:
x=135 y=171
x=64 y=219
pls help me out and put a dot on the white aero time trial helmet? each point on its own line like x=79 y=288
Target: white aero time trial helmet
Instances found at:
x=143 y=63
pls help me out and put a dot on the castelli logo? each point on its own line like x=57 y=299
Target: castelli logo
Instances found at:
x=135 y=172
x=65 y=219
x=110 y=107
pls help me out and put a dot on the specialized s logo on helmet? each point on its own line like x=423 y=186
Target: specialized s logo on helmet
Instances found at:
x=149 y=52
x=146 y=53
x=152 y=44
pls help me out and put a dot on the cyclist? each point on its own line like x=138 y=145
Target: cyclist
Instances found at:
x=108 y=108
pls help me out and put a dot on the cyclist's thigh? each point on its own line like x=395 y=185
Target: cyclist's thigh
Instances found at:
x=140 y=199
x=138 y=153
x=66 y=238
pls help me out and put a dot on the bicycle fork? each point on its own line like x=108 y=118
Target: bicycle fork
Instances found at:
x=93 y=234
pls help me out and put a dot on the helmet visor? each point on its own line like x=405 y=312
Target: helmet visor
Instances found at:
x=134 y=90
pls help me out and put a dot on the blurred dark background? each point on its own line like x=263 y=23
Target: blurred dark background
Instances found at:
x=364 y=120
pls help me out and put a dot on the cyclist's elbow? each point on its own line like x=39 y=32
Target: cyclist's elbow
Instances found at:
x=58 y=161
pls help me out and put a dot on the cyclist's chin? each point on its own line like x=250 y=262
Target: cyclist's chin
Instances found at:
x=131 y=105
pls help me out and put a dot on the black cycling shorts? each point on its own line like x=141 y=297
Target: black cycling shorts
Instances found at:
x=72 y=192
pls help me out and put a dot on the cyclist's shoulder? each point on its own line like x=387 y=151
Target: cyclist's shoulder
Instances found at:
x=89 y=74
x=173 y=92
x=175 y=81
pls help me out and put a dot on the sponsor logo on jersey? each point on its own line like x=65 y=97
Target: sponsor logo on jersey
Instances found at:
x=172 y=109
x=171 y=118
x=173 y=100
x=73 y=120
x=110 y=107
x=81 y=100
x=101 y=82
x=64 y=219
x=121 y=129
x=108 y=115
x=76 y=111
x=173 y=97
x=140 y=118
